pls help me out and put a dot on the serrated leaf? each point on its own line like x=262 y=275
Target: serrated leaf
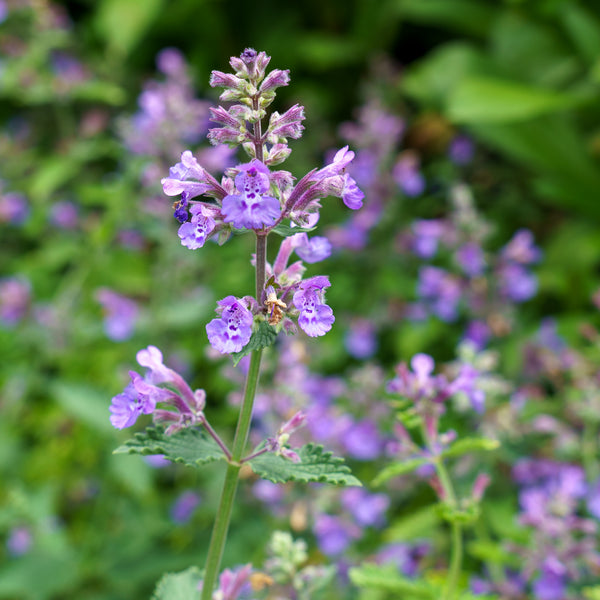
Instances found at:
x=315 y=465
x=190 y=446
x=179 y=586
x=464 y=445
x=264 y=336
x=387 y=577
x=399 y=468
x=285 y=230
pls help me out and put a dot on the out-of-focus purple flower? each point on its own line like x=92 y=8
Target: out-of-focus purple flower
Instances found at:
x=466 y=382
x=406 y=557
x=516 y=283
x=15 y=297
x=360 y=339
x=3 y=11
x=522 y=249
x=120 y=314
x=184 y=506
x=477 y=333
x=268 y=492
x=367 y=509
x=233 y=584
x=157 y=461
x=427 y=233
x=334 y=534
x=19 y=541
x=363 y=441
x=316 y=318
x=14 y=208
x=548 y=336
x=232 y=330
x=551 y=583
x=407 y=175
x=170 y=61
x=471 y=260
x=461 y=150
x=441 y=291
x=312 y=250
x=64 y=215
x=251 y=208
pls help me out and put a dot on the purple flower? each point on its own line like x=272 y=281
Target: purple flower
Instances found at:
x=360 y=340
x=471 y=260
x=64 y=215
x=404 y=556
x=312 y=250
x=184 y=506
x=551 y=584
x=194 y=234
x=362 y=440
x=120 y=314
x=367 y=509
x=333 y=534
x=316 y=318
x=14 y=208
x=128 y=406
x=521 y=248
x=251 y=209
x=15 y=296
x=19 y=541
x=427 y=234
x=152 y=358
x=441 y=290
x=232 y=330
x=407 y=175
x=180 y=174
x=517 y=283
x=461 y=150
x=478 y=333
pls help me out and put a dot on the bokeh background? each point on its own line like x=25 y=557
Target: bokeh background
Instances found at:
x=91 y=269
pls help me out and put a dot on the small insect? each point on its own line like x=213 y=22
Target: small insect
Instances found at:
x=274 y=306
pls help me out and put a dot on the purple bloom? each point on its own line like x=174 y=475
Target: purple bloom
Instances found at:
x=180 y=174
x=551 y=584
x=251 y=208
x=128 y=406
x=19 y=541
x=333 y=534
x=478 y=333
x=407 y=175
x=352 y=195
x=312 y=250
x=64 y=215
x=15 y=296
x=441 y=290
x=13 y=208
x=194 y=234
x=120 y=314
x=367 y=509
x=471 y=260
x=362 y=440
x=316 y=318
x=404 y=556
x=184 y=506
x=360 y=340
x=461 y=150
x=517 y=283
x=152 y=358
x=521 y=248
x=232 y=330
x=427 y=234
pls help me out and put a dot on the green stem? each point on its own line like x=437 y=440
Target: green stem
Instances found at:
x=456 y=528
x=221 y=526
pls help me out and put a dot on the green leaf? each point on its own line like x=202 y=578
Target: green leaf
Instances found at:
x=487 y=100
x=387 y=577
x=190 y=446
x=465 y=445
x=592 y=593
x=264 y=336
x=286 y=230
x=179 y=586
x=399 y=468
x=123 y=23
x=315 y=466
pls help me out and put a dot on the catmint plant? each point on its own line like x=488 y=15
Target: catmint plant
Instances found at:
x=254 y=198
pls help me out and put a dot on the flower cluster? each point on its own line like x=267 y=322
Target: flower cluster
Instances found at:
x=253 y=197
x=161 y=392
x=488 y=286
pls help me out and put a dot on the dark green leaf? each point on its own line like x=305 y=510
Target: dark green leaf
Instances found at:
x=315 y=465
x=264 y=336
x=190 y=446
